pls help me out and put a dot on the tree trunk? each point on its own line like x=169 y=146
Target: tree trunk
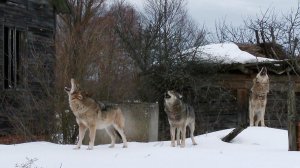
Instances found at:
x=273 y=36
x=257 y=37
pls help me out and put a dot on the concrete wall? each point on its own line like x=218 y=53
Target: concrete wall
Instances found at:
x=141 y=124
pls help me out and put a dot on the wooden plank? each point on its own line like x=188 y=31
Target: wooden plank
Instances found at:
x=17 y=3
x=234 y=133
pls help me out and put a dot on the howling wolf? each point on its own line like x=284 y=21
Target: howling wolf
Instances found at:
x=91 y=115
x=258 y=98
x=180 y=115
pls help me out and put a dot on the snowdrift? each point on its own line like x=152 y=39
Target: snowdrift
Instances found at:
x=254 y=147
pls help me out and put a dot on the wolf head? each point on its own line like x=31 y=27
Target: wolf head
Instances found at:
x=171 y=97
x=262 y=76
x=75 y=92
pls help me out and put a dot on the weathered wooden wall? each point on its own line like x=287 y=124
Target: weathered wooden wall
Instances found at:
x=37 y=19
x=276 y=110
x=216 y=109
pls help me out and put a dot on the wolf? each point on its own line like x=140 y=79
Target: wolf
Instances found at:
x=93 y=115
x=258 y=98
x=180 y=115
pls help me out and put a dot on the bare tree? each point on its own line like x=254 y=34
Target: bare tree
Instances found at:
x=225 y=32
x=292 y=31
x=89 y=50
x=163 y=42
x=159 y=37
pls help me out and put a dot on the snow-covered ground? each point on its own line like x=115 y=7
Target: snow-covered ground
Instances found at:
x=228 y=53
x=255 y=147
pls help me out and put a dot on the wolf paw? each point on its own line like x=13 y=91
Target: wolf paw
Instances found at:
x=89 y=148
x=76 y=148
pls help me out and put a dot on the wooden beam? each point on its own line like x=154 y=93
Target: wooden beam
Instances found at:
x=234 y=133
x=292 y=117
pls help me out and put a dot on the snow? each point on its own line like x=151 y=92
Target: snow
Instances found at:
x=258 y=147
x=228 y=53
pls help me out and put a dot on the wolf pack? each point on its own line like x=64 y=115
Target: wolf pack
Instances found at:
x=92 y=115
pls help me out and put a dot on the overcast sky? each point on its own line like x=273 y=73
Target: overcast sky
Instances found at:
x=209 y=11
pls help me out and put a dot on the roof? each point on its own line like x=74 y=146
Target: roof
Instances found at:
x=233 y=59
x=228 y=53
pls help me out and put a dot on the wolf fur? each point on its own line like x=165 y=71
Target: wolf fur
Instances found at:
x=92 y=115
x=258 y=98
x=180 y=115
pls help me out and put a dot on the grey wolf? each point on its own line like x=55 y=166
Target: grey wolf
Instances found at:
x=92 y=115
x=180 y=115
x=258 y=98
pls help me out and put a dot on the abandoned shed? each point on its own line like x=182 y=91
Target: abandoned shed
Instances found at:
x=229 y=108
x=27 y=29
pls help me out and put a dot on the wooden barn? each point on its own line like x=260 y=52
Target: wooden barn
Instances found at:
x=227 y=97
x=27 y=58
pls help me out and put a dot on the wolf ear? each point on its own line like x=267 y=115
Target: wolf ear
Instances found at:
x=263 y=71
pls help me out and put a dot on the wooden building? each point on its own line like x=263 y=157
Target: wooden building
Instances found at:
x=229 y=107
x=27 y=54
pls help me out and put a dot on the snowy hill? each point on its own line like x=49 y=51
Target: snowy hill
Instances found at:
x=253 y=148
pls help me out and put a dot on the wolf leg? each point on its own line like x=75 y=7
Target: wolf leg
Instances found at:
x=172 y=131
x=262 y=122
x=178 y=136
x=92 y=130
x=251 y=115
x=262 y=117
x=121 y=132
x=192 y=128
x=82 y=129
x=112 y=133
x=183 y=135
x=258 y=119
x=257 y=122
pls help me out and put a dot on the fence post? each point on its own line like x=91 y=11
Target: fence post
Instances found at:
x=298 y=136
x=292 y=131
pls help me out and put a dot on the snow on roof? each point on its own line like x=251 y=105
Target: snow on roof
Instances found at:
x=228 y=53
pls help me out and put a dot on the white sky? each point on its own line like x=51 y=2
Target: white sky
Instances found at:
x=209 y=11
